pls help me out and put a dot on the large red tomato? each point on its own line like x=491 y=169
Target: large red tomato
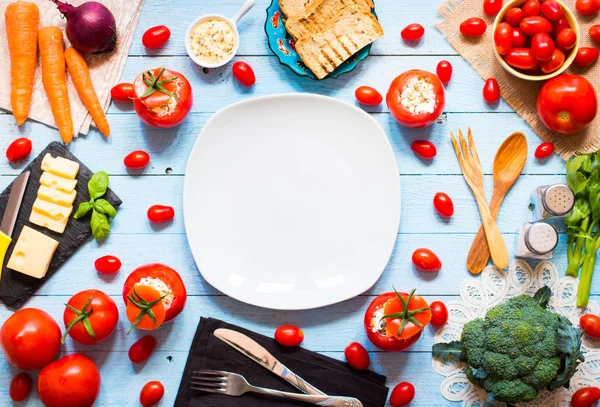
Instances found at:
x=416 y=98
x=165 y=280
x=90 y=317
x=163 y=98
x=567 y=104
x=30 y=339
x=73 y=381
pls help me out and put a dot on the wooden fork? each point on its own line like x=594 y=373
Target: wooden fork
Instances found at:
x=473 y=174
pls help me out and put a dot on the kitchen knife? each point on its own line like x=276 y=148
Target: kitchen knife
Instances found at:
x=11 y=213
x=260 y=355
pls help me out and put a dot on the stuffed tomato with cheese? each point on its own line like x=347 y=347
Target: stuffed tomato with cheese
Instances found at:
x=416 y=98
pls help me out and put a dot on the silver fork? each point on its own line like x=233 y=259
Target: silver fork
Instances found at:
x=233 y=384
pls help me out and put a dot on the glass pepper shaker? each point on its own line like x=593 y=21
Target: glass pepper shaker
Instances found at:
x=536 y=241
x=552 y=201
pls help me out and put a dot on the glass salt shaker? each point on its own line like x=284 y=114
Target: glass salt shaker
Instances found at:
x=536 y=241
x=552 y=201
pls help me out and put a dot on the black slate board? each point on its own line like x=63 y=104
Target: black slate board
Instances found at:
x=17 y=288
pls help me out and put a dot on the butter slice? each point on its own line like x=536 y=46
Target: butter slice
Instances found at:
x=55 y=196
x=32 y=253
x=54 y=181
x=60 y=166
x=47 y=222
x=52 y=210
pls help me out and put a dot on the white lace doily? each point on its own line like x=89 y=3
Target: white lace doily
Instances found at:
x=494 y=287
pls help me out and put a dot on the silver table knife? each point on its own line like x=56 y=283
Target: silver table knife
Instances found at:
x=17 y=191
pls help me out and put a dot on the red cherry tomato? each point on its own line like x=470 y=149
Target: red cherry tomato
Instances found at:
x=443 y=204
x=542 y=46
x=521 y=58
x=151 y=393
x=137 y=160
x=244 y=73
x=491 y=90
x=559 y=26
x=18 y=150
x=473 y=27
x=544 y=150
x=557 y=60
x=156 y=37
x=424 y=149
x=586 y=397
x=402 y=394
x=503 y=38
x=566 y=39
x=444 y=71
x=586 y=7
x=532 y=8
x=535 y=24
x=519 y=39
x=141 y=350
x=513 y=16
x=20 y=387
x=552 y=10
x=492 y=7
x=160 y=213
x=108 y=264
x=289 y=336
x=357 y=356
x=594 y=32
x=368 y=96
x=586 y=56
x=426 y=260
x=412 y=32
x=439 y=314
x=590 y=324
x=123 y=92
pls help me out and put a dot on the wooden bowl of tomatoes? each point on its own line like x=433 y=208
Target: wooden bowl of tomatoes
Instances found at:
x=535 y=40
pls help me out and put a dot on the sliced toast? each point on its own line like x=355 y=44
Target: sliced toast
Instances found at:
x=297 y=8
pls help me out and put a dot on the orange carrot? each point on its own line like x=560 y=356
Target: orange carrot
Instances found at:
x=80 y=74
x=54 y=79
x=22 y=20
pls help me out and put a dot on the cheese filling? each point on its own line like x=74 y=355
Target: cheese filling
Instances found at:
x=378 y=324
x=213 y=40
x=159 y=286
x=418 y=96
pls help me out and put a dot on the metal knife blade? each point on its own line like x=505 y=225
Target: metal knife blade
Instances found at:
x=14 y=204
x=260 y=355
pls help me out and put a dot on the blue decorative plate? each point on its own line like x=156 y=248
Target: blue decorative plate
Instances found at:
x=282 y=45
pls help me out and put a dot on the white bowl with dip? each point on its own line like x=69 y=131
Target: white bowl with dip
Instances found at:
x=213 y=40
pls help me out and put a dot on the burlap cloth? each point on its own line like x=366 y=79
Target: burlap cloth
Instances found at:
x=521 y=95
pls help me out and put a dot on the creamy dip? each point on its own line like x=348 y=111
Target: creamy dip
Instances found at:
x=213 y=40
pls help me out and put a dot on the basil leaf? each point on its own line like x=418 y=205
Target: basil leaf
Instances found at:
x=105 y=207
x=100 y=226
x=83 y=210
x=98 y=185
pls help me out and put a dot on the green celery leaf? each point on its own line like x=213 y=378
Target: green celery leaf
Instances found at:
x=594 y=194
x=581 y=210
x=578 y=169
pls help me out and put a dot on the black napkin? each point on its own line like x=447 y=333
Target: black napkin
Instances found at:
x=328 y=375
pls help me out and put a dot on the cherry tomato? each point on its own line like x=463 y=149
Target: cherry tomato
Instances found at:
x=519 y=39
x=559 y=26
x=18 y=150
x=244 y=73
x=444 y=71
x=503 y=38
x=532 y=8
x=123 y=92
x=544 y=150
x=137 y=160
x=412 y=32
x=521 y=58
x=513 y=16
x=289 y=336
x=426 y=260
x=586 y=56
x=492 y=7
x=590 y=323
x=443 y=204
x=491 y=90
x=156 y=37
x=402 y=394
x=368 y=96
x=557 y=60
x=586 y=7
x=566 y=39
x=535 y=24
x=20 y=387
x=160 y=213
x=586 y=397
x=595 y=33
x=424 y=149
x=552 y=10
x=141 y=350
x=357 y=356
x=542 y=46
x=473 y=27
x=107 y=264
x=151 y=393
x=439 y=314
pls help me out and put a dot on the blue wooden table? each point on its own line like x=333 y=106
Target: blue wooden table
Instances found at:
x=328 y=330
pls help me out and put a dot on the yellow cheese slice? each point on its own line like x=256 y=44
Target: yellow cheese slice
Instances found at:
x=55 y=196
x=52 y=210
x=60 y=166
x=47 y=222
x=32 y=253
x=54 y=181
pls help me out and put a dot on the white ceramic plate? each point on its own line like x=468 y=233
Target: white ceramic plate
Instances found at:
x=292 y=201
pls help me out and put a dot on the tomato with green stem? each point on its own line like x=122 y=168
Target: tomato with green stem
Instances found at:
x=145 y=308
x=90 y=317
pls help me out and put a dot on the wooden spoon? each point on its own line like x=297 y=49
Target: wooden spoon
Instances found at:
x=508 y=164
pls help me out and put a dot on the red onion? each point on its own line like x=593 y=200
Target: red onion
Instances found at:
x=91 y=27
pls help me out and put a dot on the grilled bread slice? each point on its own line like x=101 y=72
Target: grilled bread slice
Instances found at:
x=322 y=16
x=323 y=52
x=297 y=8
